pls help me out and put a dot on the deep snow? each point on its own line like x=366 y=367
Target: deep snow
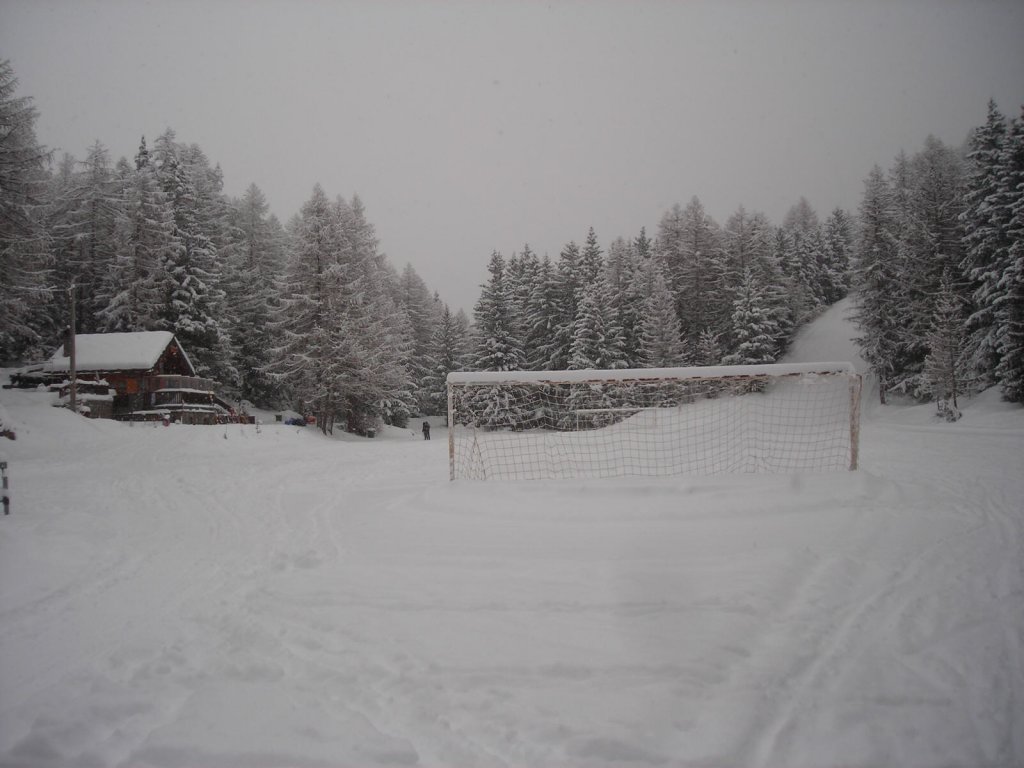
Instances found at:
x=169 y=597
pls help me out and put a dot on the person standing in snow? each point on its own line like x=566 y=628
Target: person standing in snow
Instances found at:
x=426 y=430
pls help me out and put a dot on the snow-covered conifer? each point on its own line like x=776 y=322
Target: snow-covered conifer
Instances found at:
x=930 y=246
x=876 y=279
x=542 y=316
x=252 y=285
x=497 y=349
x=377 y=335
x=753 y=329
x=591 y=261
x=136 y=287
x=90 y=205
x=801 y=261
x=447 y=355
x=630 y=292
x=597 y=335
x=417 y=303
x=709 y=349
x=985 y=238
x=307 y=360
x=945 y=341
x=689 y=246
x=838 y=248
x=24 y=254
x=194 y=307
x=1008 y=304
x=661 y=343
x=569 y=285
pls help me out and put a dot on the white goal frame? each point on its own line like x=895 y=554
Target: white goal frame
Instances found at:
x=739 y=392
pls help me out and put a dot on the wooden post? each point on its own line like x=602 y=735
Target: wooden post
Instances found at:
x=3 y=491
x=856 y=382
x=451 y=433
x=73 y=394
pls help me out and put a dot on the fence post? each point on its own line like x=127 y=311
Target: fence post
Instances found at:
x=3 y=492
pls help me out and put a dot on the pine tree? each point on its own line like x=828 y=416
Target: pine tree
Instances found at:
x=619 y=266
x=65 y=253
x=252 y=286
x=945 y=343
x=591 y=261
x=542 y=316
x=597 y=344
x=568 y=293
x=661 y=342
x=689 y=247
x=446 y=355
x=521 y=284
x=378 y=338
x=418 y=305
x=308 y=360
x=985 y=240
x=1008 y=303
x=133 y=294
x=643 y=245
x=597 y=336
x=498 y=350
x=709 y=350
x=930 y=245
x=838 y=248
x=791 y=301
x=636 y=285
x=753 y=329
x=142 y=155
x=92 y=223
x=801 y=261
x=193 y=308
x=24 y=255
x=750 y=242
x=876 y=279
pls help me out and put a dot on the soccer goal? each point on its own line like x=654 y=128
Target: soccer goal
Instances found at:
x=525 y=425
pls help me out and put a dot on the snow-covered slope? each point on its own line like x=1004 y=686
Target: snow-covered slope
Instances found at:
x=829 y=337
x=201 y=596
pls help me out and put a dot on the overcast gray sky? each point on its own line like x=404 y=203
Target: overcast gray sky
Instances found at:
x=472 y=126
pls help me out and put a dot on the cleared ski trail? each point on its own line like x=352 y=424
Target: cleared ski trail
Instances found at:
x=169 y=597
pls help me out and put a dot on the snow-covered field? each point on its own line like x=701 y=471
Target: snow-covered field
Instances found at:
x=201 y=596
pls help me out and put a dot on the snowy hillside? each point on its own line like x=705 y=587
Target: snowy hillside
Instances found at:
x=830 y=337
x=204 y=596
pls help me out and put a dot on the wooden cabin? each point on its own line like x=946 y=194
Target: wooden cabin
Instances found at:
x=148 y=373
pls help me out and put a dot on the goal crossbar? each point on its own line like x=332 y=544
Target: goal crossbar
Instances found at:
x=653 y=421
x=773 y=370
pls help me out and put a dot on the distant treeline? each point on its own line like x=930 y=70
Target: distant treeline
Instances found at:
x=311 y=314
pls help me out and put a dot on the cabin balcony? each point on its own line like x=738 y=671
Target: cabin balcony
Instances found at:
x=189 y=399
x=180 y=384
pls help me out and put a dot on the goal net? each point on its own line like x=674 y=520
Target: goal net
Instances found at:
x=525 y=425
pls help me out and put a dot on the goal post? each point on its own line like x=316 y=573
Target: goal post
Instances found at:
x=795 y=417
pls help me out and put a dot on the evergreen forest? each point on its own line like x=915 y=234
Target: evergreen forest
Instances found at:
x=310 y=314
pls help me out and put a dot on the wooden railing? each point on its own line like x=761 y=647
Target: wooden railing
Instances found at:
x=179 y=383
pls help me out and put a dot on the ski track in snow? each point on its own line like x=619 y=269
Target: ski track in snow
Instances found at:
x=169 y=597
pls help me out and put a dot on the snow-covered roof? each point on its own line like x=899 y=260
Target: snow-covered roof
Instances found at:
x=115 y=352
